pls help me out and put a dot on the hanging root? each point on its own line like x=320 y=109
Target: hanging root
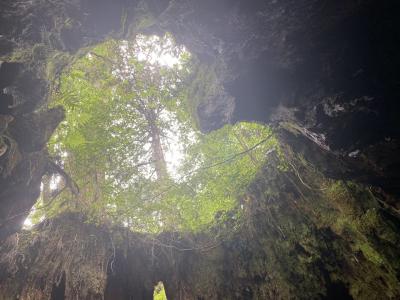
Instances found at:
x=53 y=168
x=13 y=156
x=68 y=248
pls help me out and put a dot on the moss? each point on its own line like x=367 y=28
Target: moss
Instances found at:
x=291 y=127
x=20 y=55
x=54 y=66
x=370 y=253
x=340 y=198
x=42 y=61
x=360 y=238
x=39 y=52
x=200 y=86
x=143 y=20
x=369 y=220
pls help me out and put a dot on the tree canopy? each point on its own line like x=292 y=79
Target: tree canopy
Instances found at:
x=130 y=144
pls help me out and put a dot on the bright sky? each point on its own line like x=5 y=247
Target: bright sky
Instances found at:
x=157 y=55
x=174 y=150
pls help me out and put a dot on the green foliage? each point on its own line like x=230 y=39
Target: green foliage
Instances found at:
x=222 y=165
x=203 y=85
x=106 y=142
x=159 y=292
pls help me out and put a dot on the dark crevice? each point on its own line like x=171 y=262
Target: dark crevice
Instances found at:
x=58 y=291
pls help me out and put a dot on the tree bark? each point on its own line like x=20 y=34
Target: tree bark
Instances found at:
x=156 y=146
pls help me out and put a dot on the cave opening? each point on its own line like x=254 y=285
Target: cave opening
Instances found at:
x=131 y=144
x=141 y=164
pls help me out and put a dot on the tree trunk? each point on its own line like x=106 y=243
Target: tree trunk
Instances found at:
x=156 y=147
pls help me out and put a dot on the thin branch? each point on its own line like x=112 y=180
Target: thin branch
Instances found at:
x=302 y=181
x=227 y=160
x=144 y=164
x=231 y=158
x=106 y=59
x=69 y=182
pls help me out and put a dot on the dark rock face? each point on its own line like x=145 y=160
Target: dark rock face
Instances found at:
x=333 y=65
x=325 y=72
x=25 y=162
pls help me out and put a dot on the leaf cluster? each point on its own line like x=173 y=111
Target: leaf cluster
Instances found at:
x=105 y=142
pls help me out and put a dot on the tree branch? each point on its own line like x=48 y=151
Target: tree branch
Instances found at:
x=106 y=59
x=69 y=182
